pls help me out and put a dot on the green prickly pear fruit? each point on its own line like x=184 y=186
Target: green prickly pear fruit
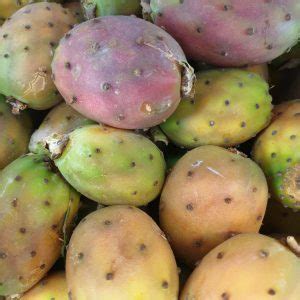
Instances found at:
x=97 y=8
x=52 y=287
x=211 y=195
x=62 y=119
x=247 y=266
x=25 y=71
x=37 y=208
x=276 y=152
x=110 y=166
x=119 y=252
x=15 y=133
x=230 y=107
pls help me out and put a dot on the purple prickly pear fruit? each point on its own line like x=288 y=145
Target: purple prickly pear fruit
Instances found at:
x=62 y=119
x=53 y=287
x=119 y=252
x=110 y=166
x=127 y=79
x=15 y=133
x=76 y=9
x=248 y=266
x=230 y=106
x=230 y=33
x=25 y=71
x=210 y=195
x=37 y=208
x=276 y=151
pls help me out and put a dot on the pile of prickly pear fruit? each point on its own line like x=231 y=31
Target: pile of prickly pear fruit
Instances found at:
x=149 y=150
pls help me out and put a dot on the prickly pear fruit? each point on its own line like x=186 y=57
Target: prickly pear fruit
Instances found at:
x=36 y=208
x=247 y=266
x=110 y=166
x=27 y=45
x=62 y=119
x=211 y=194
x=76 y=9
x=230 y=107
x=52 y=287
x=276 y=152
x=235 y=33
x=230 y=33
x=119 y=252
x=14 y=134
x=97 y=8
x=281 y=220
x=102 y=72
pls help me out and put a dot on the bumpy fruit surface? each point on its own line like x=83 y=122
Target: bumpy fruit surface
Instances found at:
x=247 y=266
x=14 y=134
x=97 y=8
x=230 y=33
x=120 y=253
x=8 y=7
x=36 y=207
x=61 y=119
x=229 y=107
x=53 y=287
x=112 y=166
x=27 y=46
x=126 y=79
x=276 y=152
x=211 y=195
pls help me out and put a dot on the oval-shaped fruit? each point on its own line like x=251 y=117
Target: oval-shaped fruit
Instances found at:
x=15 y=133
x=52 y=287
x=76 y=9
x=247 y=266
x=27 y=46
x=62 y=119
x=120 y=253
x=112 y=166
x=36 y=208
x=230 y=33
x=276 y=151
x=229 y=107
x=127 y=79
x=211 y=195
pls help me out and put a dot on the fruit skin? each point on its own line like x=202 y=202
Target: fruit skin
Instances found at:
x=62 y=119
x=247 y=266
x=8 y=7
x=25 y=72
x=54 y=286
x=14 y=134
x=262 y=70
x=211 y=195
x=275 y=151
x=236 y=33
x=76 y=9
x=119 y=67
x=112 y=166
x=97 y=8
x=229 y=107
x=36 y=208
x=119 y=252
